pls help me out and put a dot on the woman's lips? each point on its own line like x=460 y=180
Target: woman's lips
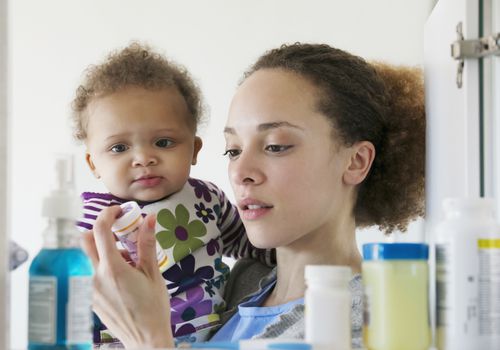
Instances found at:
x=254 y=213
x=149 y=181
x=251 y=209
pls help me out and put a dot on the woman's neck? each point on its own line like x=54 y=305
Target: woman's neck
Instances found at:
x=335 y=247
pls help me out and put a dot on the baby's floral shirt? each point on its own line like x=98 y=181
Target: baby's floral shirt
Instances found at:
x=195 y=227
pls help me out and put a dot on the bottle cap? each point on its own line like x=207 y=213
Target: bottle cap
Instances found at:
x=327 y=273
x=395 y=251
x=130 y=218
x=63 y=202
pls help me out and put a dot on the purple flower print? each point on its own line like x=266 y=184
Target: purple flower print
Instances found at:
x=213 y=247
x=192 y=307
x=187 y=328
x=200 y=189
x=183 y=275
x=205 y=214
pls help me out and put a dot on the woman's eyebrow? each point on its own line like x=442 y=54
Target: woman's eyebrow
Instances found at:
x=266 y=126
x=275 y=125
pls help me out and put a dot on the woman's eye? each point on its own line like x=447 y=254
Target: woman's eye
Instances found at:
x=231 y=153
x=278 y=148
x=164 y=143
x=119 y=148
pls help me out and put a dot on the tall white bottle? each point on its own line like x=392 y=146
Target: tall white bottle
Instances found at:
x=468 y=276
x=328 y=307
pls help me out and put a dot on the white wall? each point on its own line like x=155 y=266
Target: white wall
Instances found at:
x=52 y=41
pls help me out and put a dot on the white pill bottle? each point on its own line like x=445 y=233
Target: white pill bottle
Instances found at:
x=467 y=244
x=328 y=307
x=126 y=227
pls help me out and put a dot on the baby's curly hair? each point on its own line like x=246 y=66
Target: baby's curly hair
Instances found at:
x=135 y=65
x=376 y=102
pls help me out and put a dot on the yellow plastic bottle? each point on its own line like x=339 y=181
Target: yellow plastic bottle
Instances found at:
x=395 y=279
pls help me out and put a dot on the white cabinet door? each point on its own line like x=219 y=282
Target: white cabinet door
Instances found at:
x=4 y=341
x=453 y=151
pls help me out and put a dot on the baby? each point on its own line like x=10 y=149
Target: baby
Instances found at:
x=137 y=114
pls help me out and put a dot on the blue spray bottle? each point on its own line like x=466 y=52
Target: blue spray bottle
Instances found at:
x=60 y=276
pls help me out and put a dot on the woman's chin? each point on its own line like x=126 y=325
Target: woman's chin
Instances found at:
x=262 y=242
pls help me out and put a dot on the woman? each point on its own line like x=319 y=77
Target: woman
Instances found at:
x=319 y=142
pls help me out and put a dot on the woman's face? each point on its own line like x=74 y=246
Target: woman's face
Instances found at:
x=284 y=164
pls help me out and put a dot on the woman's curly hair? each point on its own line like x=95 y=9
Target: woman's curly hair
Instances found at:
x=135 y=65
x=375 y=102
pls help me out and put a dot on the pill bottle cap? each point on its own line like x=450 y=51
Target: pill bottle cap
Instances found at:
x=395 y=251
x=129 y=220
x=328 y=274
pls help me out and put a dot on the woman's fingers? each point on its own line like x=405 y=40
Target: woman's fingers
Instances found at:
x=104 y=239
x=146 y=247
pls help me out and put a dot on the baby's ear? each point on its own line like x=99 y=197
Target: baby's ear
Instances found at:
x=90 y=163
x=198 y=143
x=361 y=159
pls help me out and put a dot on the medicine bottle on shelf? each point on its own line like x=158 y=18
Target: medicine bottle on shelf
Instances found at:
x=125 y=228
x=396 y=288
x=468 y=276
x=328 y=307
x=60 y=276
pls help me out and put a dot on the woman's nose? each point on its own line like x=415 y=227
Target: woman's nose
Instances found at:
x=144 y=157
x=246 y=170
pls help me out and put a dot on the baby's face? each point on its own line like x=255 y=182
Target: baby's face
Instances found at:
x=140 y=143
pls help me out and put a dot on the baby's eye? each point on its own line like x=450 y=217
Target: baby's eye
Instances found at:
x=232 y=153
x=278 y=148
x=164 y=143
x=119 y=148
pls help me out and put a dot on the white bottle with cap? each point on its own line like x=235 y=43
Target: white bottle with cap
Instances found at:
x=468 y=276
x=125 y=228
x=328 y=307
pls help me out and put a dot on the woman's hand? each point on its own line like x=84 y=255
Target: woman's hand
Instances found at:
x=131 y=301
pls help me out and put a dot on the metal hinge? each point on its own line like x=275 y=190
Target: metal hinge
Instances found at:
x=473 y=48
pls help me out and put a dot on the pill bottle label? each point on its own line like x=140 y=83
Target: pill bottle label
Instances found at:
x=42 y=309
x=463 y=284
x=489 y=286
x=443 y=284
x=367 y=293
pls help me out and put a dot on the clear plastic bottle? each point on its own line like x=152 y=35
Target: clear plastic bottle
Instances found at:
x=125 y=228
x=328 y=307
x=60 y=276
x=468 y=276
x=396 y=288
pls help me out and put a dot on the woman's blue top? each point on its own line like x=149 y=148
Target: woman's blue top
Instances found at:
x=251 y=318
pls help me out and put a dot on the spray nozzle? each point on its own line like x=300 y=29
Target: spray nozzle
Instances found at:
x=62 y=201
x=64 y=172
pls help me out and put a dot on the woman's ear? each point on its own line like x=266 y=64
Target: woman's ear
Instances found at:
x=362 y=155
x=198 y=143
x=90 y=163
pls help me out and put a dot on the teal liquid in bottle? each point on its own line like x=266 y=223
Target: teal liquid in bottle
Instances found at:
x=60 y=278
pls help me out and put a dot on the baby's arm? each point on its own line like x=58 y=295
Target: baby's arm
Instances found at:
x=234 y=238
x=93 y=204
